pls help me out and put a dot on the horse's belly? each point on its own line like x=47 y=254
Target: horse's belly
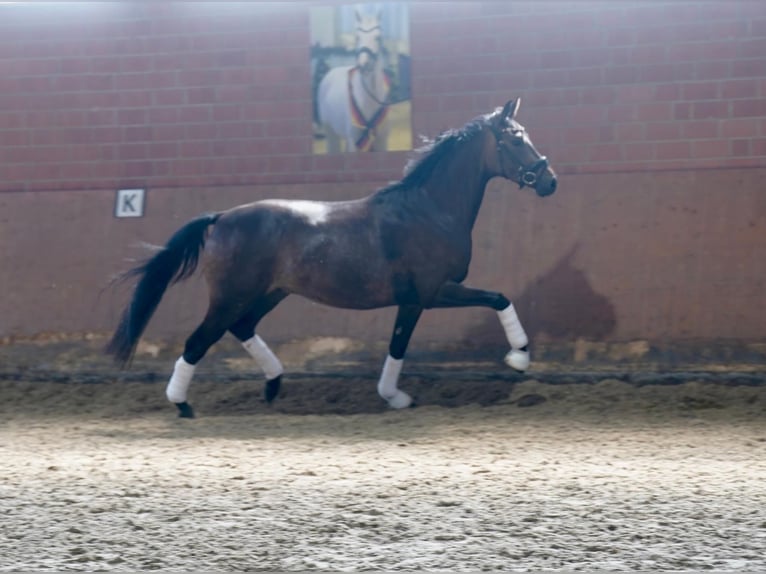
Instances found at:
x=342 y=270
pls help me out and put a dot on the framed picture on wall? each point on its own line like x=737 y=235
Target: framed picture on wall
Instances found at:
x=360 y=66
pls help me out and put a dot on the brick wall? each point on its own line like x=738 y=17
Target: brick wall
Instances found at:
x=100 y=96
x=648 y=110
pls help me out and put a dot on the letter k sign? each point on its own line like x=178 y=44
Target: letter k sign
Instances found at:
x=130 y=203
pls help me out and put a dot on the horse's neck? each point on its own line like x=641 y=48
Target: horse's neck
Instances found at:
x=458 y=187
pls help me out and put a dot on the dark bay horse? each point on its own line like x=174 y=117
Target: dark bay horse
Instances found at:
x=408 y=244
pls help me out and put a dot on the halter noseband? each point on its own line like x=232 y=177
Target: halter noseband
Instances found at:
x=527 y=176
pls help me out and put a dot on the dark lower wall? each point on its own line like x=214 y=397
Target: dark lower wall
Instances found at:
x=667 y=259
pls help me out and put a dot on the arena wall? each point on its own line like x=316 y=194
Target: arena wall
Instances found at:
x=653 y=114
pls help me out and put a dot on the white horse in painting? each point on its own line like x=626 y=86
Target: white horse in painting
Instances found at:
x=353 y=100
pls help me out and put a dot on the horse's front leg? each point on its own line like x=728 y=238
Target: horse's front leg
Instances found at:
x=406 y=319
x=455 y=295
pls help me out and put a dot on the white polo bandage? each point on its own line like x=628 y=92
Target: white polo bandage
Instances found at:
x=178 y=386
x=513 y=329
x=389 y=377
x=266 y=360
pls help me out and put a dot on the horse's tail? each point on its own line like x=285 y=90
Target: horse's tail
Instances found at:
x=176 y=261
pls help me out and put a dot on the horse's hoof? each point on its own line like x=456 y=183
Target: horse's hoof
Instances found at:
x=400 y=400
x=517 y=360
x=271 y=390
x=185 y=411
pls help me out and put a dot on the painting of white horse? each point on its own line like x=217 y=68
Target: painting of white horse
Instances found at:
x=360 y=64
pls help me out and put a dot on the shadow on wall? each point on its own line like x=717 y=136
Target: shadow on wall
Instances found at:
x=561 y=304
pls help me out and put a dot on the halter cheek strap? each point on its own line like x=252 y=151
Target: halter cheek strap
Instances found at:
x=527 y=175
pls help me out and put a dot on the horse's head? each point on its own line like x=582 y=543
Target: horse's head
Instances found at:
x=517 y=158
x=368 y=40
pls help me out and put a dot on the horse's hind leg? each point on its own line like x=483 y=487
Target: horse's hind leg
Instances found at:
x=244 y=330
x=218 y=318
x=406 y=319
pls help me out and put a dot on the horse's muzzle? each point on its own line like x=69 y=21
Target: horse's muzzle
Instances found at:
x=547 y=183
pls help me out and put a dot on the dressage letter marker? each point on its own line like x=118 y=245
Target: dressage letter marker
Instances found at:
x=129 y=203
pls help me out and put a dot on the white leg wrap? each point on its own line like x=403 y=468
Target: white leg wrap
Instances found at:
x=387 y=384
x=517 y=338
x=267 y=360
x=513 y=329
x=179 y=382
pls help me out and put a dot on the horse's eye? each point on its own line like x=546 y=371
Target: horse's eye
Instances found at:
x=517 y=140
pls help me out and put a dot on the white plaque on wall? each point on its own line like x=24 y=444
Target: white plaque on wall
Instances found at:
x=129 y=203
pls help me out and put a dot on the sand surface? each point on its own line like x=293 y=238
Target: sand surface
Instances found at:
x=605 y=476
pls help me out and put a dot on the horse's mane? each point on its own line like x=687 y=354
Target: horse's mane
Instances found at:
x=420 y=168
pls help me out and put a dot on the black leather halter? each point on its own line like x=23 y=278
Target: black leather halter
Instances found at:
x=528 y=175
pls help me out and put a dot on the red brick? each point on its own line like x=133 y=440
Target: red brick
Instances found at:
x=621 y=37
x=581 y=135
x=575 y=154
x=233 y=94
x=73 y=171
x=655 y=112
x=11 y=120
x=747 y=108
x=139 y=133
x=641 y=55
x=549 y=78
x=621 y=113
x=14 y=137
x=712 y=70
x=135 y=99
x=132 y=116
x=596 y=58
x=665 y=92
x=135 y=63
x=682 y=111
x=194 y=114
x=603 y=152
x=233 y=130
x=758 y=147
x=206 y=95
x=635 y=93
x=701 y=129
x=585 y=76
x=740 y=147
x=713 y=109
x=739 y=89
x=676 y=72
x=639 y=151
x=560 y=59
x=738 y=128
x=700 y=91
x=748 y=68
x=620 y=75
x=673 y=150
x=629 y=132
x=598 y=95
x=226 y=113
x=663 y=131
x=710 y=148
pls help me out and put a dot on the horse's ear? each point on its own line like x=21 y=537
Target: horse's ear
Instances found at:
x=510 y=109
